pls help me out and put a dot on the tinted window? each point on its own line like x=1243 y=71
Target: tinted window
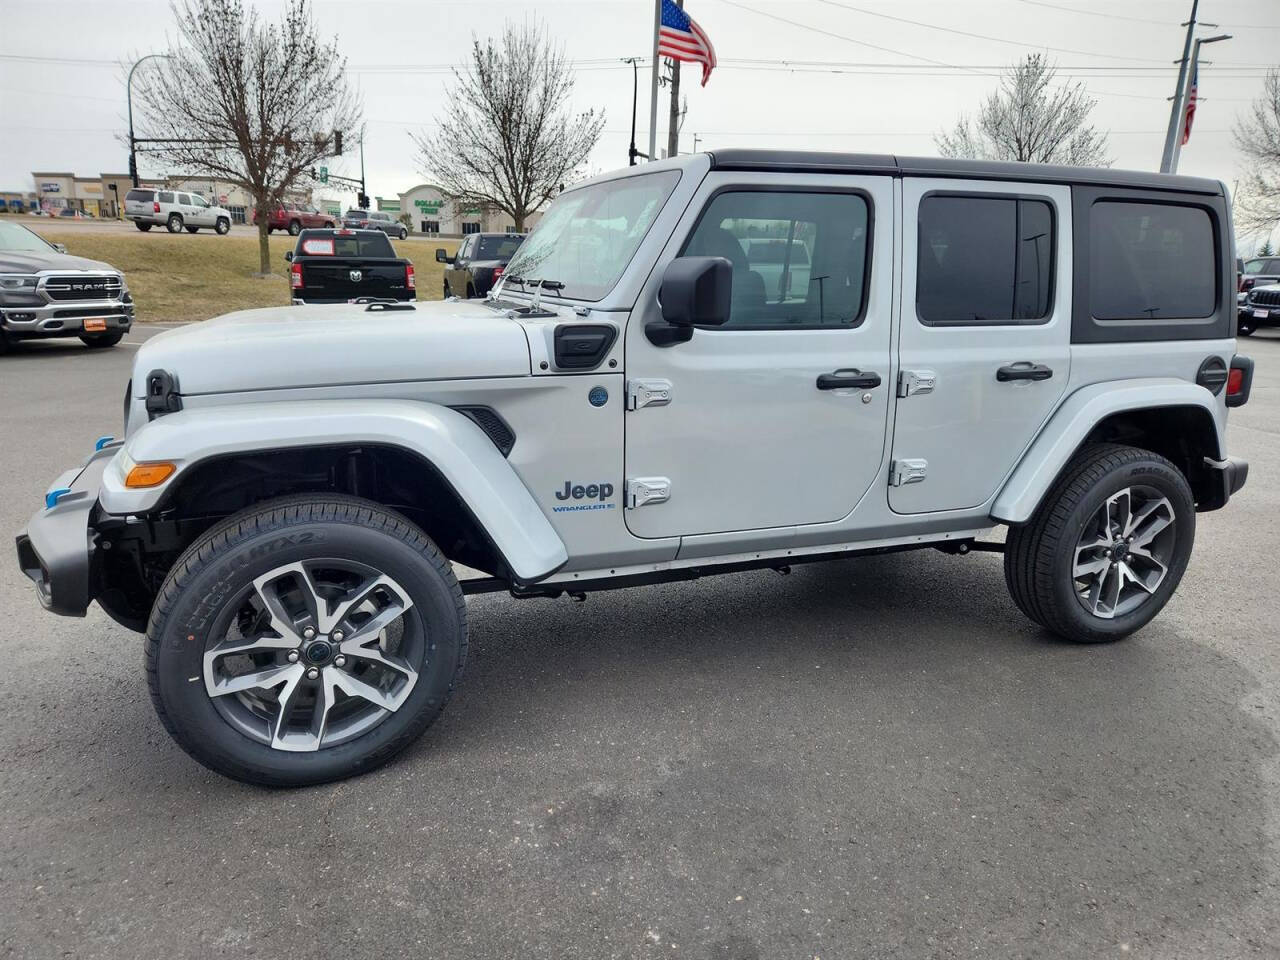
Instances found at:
x=184 y=199
x=143 y=196
x=1151 y=261
x=198 y=201
x=166 y=197
x=497 y=248
x=818 y=277
x=984 y=260
x=350 y=245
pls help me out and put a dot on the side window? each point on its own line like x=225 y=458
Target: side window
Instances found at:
x=184 y=199
x=984 y=260
x=198 y=200
x=1151 y=261
x=464 y=252
x=166 y=197
x=799 y=259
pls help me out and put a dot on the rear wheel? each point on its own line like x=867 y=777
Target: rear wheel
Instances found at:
x=222 y=227
x=403 y=233
x=447 y=292
x=295 y=228
x=144 y=227
x=305 y=640
x=328 y=224
x=471 y=291
x=103 y=339
x=174 y=224
x=1107 y=546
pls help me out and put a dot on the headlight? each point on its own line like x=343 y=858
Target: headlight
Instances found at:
x=13 y=281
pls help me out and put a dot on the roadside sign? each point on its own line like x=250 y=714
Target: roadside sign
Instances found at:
x=324 y=174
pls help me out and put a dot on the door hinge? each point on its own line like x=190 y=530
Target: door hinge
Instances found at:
x=648 y=393
x=902 y=472
x=640 y=491
x=912 y=383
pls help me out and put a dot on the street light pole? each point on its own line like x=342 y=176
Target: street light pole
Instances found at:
x=1195 y=62
x=128 y=87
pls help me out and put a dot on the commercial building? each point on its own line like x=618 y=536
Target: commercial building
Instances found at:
x=432 y=212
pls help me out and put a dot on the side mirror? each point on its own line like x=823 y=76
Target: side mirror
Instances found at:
x=442 y=256
x=695 y=293
x=60 y=247
x=288 y=255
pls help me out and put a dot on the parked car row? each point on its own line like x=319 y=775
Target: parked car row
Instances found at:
x=1258 y=295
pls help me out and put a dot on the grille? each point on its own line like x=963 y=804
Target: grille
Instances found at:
x=494 y=426
x=83 y=288
x=1265 y=298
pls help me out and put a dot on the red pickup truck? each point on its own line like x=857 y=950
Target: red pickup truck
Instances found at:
x=295 y=219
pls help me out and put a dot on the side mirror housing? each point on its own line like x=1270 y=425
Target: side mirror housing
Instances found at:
x=442 y=256
x=60 y=247
x=288 y=255
x=695 y=293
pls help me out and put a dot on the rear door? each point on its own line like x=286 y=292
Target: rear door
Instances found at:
x=985 y=337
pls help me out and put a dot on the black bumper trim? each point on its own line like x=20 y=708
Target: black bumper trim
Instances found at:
x=55 y=551
x=1228 y=477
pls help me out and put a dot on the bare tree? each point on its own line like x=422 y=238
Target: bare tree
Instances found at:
x=1029 y=118
x=508 y=138
x=255 y=104
x=1257 y=136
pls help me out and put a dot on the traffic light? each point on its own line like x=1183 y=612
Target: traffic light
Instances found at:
x=362 y=201
x=337 y=143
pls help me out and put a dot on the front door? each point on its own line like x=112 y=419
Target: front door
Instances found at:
x=456 y=273
x=985 y=342
x=778 y=417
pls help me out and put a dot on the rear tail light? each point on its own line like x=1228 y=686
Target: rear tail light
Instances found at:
x=408 y=277
x=497 y=274
x=1239 y=381
x=295 y=276
x=155 y=207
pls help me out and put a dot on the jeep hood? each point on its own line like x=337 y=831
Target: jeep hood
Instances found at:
x=330 y=344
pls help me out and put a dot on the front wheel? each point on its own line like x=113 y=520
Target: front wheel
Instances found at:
x=101 y=340
x=1245 y=327
x=403 y=233
x=1107 y=546
x=174 y=223
x=305 y=640
x=222 y=227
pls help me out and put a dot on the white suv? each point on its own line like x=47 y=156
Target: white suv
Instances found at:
x=174 y=209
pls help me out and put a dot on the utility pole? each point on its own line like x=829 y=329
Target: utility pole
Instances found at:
x=673 y=116
x=128 y=94
x=1195 y=63
x=653 y=88
x=1175 y=112
x=364 y=194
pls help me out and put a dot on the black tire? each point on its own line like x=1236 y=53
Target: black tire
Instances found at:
x=1245 y=327
x=1040 y=555
x=174 y=223
x=447 y=292
x=144 y=227
x=198 y=599
x=99 y=340
x=191 y=229
x=328 y=224
x=4 y=344
x=295 y=228
x=222 y=226
x=471 y=291
x=403 y=233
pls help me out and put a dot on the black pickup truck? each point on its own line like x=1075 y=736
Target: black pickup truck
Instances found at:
x=340 y=266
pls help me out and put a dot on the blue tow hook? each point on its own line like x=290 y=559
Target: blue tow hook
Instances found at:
x=53 y=496
x=101 y=442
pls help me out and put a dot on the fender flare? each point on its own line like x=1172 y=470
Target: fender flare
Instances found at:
x=1067 y=429
x=458 y=449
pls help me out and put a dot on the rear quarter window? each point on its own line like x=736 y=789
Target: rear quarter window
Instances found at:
x=166 y=197
x=1149 y=265
x=140 y=196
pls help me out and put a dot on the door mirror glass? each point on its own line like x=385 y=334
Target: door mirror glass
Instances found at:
x=695 y=292
x=442 y=256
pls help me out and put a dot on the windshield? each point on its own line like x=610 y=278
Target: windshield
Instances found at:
x=589 y=235
x=14 y=236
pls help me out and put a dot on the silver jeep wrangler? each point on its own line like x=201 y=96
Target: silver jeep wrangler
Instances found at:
x=724 y=361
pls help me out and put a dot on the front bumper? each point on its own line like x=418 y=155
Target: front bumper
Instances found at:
x=1258 y=312
x=56 y=550
x=65 y=318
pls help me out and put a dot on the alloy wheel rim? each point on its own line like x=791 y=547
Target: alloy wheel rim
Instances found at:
x=1124 y=552
x=313 y=654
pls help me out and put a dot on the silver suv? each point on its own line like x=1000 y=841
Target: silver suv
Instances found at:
x=175 y=210
x=962 y=346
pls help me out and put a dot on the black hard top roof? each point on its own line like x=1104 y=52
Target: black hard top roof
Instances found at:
x=811 y=161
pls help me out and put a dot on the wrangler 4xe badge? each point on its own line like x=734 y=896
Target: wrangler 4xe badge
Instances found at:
x=597 y=494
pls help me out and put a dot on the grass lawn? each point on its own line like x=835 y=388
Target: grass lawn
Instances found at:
x=181 y=277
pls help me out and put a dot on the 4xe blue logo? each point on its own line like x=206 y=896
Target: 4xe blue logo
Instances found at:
x=597 y=493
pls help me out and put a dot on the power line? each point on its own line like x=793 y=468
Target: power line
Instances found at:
x=1160 y=23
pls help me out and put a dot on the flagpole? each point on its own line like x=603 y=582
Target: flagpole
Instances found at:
x=653 y=89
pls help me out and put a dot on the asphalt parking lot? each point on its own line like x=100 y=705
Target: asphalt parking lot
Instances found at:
x=872 y=758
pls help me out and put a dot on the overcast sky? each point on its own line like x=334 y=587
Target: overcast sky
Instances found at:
x=839 y=76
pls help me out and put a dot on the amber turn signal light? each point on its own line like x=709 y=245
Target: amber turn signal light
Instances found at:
x=149 y=474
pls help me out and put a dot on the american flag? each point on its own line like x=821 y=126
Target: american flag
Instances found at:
x=680 y=38
x=1191 y=106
